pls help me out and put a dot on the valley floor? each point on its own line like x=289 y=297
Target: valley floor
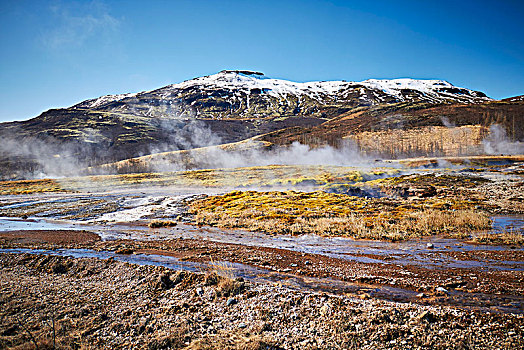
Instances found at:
x=133 y=261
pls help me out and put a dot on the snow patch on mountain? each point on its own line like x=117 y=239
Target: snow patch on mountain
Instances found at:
x=398 y=88
x=239 y=83
x=96 y=102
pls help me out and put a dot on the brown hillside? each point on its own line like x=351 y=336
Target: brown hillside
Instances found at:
x=414 y=129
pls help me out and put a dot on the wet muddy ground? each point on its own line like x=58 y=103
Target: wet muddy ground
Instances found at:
x=480 y=279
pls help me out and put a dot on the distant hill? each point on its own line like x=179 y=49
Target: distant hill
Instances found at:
x=232 y=106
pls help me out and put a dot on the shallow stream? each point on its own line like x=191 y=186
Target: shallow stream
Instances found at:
x=499 y=303
x=412 y=252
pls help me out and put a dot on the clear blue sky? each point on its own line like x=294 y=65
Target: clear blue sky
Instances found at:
x=57 y=53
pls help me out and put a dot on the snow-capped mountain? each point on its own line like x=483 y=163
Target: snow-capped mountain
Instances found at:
x=232 y=106
x=247 y=94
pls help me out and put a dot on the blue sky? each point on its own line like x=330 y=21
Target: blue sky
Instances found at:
x=57 y=53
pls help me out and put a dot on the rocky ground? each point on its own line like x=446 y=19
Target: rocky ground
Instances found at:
x=89 y=303
x=301 y=301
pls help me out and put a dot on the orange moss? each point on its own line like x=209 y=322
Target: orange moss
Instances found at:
x=29 y=186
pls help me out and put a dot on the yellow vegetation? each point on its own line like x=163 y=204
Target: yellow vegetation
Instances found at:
x=29 y=186
x=162 y=223
x=258 y=176
x=331 y=215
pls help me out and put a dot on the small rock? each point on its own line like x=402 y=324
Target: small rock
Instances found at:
x=307 y=262
x=441 y=290
x=242 y=325
x=59 y=268
x=421 y=295
x=164 y=281
x=294 y=265
x=11 y=331
x=124 y=251
x=430 y=246
x=426 y=316
x=286 y=270
x=231 y=301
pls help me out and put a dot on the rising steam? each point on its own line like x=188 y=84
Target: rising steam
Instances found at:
x=190 y=144
x=498 y=142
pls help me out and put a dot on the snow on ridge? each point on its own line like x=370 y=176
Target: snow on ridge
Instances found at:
x=393 y=86
x=237 y=80
x=250 y=81
x=233 y=81
x=96 y=102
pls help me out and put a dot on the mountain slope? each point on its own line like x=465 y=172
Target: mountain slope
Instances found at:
x=226 y=107
x=246 y=95
x=420 y=129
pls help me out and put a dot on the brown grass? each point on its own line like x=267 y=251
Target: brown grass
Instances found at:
x=223 y=277
x=233 y=341
x=30 y=186
x=507 y=238
x=328 y=214
x=162 y=223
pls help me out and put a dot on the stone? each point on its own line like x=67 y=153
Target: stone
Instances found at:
x=164 y=281
x=124 y=251
x=231 y=301
x=426 y=316
x=441 y=290
x=364 y=296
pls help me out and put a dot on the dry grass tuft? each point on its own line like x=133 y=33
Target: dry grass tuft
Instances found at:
x=234 y=341
x=223 y=277
x=507 y=238
x=162 y=223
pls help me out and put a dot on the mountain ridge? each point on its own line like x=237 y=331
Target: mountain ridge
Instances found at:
x=231 y=106
x=249 y=84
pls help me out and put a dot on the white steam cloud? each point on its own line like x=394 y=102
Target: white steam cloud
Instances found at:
x=498 y=142
x=446 y=122
x=295 y=154
x=253 y=153
x=39 y=159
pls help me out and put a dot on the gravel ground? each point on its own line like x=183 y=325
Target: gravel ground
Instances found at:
x=114 y=305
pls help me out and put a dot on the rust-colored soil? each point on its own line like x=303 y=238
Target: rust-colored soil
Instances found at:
x=48 y=236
